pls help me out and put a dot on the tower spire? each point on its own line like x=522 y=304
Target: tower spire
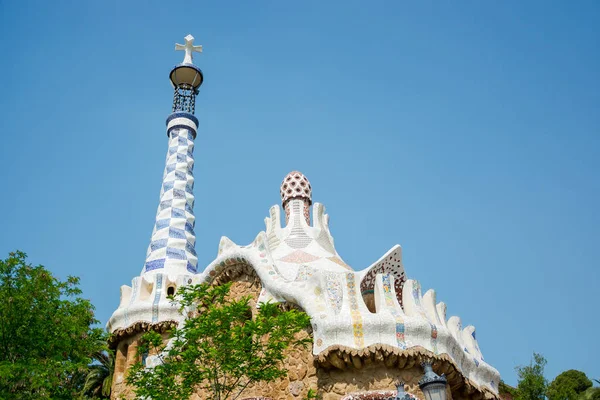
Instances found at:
x=172 y=246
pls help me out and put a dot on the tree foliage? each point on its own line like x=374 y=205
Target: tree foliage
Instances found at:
x=532 y=383
x=503 y=388
x=568 y=385
x=221 y=348
x=47 y=336
x=98 y=377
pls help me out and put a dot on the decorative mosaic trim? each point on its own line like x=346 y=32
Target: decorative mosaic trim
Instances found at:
x=335 y=294
x=391 y=264
x=389 y=302
x=434 y=335
x=295 y=184
x=299 y=257
x=134 y=291
x=357 y=325
x=416 y=292
x=157 y=295
x=297 y=239
x=228 y=262
x=374 y=395
x=274 y=241
x=262 y=250
x=304 y=272
x=182 y=123
x=182 y=114
x=324 y=242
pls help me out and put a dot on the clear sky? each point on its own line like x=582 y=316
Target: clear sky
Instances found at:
x=468 y=132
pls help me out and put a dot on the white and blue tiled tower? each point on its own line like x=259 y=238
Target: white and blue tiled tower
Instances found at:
x=171 y=260
x=171 y=249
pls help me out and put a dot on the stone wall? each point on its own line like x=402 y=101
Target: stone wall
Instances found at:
x=126 y=356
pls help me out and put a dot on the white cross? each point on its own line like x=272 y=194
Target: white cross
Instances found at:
x=188 y=48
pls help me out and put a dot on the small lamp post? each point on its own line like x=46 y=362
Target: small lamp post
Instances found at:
x=432 y=385
x=401 y=395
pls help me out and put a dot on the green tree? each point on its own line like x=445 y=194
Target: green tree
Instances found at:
x=98 y=377
x=221 y=348
x=47 y=336
x=532 y=383
x=568 y=385
x=503 y=388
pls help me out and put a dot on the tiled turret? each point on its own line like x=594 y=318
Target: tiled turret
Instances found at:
x=171 y=248
x=171 y=259
x=173 y=239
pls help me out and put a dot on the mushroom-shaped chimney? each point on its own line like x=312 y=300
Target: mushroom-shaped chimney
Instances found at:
x=296 y=186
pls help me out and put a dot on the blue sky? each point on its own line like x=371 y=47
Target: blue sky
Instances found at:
x=468 y=132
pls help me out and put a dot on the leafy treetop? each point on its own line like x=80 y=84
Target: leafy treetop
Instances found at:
x=568 y=385
x=532 y=383
x=220 y=349
x=47 y=336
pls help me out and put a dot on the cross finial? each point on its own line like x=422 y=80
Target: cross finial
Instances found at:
x=189 y=48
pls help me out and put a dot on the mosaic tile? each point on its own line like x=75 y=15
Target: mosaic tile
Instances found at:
x=303 y=274
x=165 y=204
x=176 y=254
x=335 y=293
x=134 y=293
x=299 y=257
x=177 y=213
x=434 y=335
x=168 y=185
x=324 y=242
x=155 y=264
x=158 y=244
x=158 y=293
x=179 y=175
x=180 y=242
x=357 y=326
x=297 y=239
x=338 y=261
x=176 y=233
x=389 y=302
x=296 y=186
x=190 y=267
x=391 y=264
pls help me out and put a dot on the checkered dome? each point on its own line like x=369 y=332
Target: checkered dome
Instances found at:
x=171 y=248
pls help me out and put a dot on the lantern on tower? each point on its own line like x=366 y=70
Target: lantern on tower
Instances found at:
x=186 y=78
